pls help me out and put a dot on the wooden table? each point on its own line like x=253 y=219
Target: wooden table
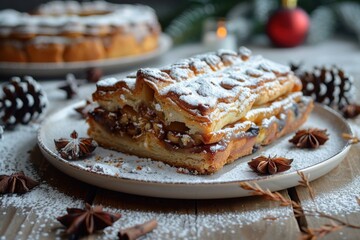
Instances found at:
x=237 y=218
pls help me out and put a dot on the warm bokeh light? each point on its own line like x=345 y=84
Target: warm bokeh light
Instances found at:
x=221 y=31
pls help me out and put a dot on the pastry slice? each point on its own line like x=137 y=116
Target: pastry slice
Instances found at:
x=199 y=113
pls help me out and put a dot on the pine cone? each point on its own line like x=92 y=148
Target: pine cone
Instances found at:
x=22 y=101
x=328 y=86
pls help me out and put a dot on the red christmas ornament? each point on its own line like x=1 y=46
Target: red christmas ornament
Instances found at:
x=288 y=26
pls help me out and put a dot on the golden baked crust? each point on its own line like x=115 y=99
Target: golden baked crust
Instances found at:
x=206 y=92
x=199 y=113
x=203 y=158
x=67 y=31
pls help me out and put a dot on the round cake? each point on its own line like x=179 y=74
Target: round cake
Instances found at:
x=68 y=31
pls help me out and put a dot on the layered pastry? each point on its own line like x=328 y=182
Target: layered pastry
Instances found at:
x=67 y=31
x=199 y=113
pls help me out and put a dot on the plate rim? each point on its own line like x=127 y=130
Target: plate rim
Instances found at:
x=260 y=178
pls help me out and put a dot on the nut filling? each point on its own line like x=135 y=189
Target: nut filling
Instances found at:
x=175 y=135
x=199 y=113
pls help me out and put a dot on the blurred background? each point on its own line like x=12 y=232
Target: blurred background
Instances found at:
x=184 y=20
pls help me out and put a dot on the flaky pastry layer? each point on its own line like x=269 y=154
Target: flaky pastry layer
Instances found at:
x=200 y=157
x=205 y=92
x=199 y=113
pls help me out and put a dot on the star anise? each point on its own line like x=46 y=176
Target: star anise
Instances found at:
x=70 y=87
x=87 y=221
x=75 y=147
x=93 y=74
x=270 y=165
x=16 y=183
x=351 y=111
x=85 y=109
x=310 y=138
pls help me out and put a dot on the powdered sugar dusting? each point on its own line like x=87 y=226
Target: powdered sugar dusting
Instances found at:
x=178 y=74
x=44 y=203
x=200 y=225
x=341 y=199
x=47 y=203
x=237 y=171
x=108 y=82
x=55 y=18
x=223 y=79
x=130 y=82
x=283 y=103
x=209 y=89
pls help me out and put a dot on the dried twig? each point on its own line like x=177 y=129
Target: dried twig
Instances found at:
x=316 y=213
x=315 y=233
x=305 y=183
x=137 y=231
x=275 y=196
x=352 y=139
x=271 y=218
x=309 y=233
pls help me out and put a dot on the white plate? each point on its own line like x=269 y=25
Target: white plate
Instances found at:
x=58 y=69
x=151 y=178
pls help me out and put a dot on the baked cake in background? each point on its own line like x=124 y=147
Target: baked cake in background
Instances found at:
x=199 y=113
x=67 y=31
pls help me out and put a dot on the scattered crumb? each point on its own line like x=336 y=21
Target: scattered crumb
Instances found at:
x=118 y=164
x=186 y=171
x=182 y=170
